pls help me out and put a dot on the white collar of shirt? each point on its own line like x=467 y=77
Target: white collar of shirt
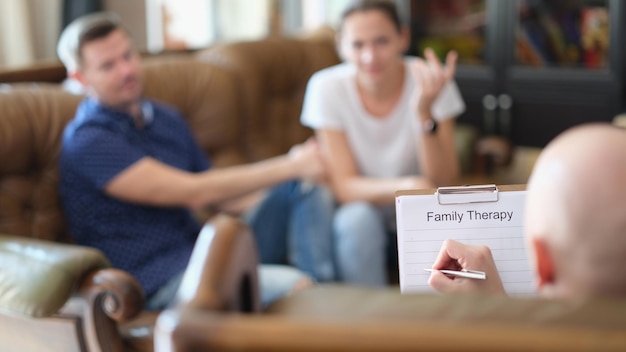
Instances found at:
x=147 y=112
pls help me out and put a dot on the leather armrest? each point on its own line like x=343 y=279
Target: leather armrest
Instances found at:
x=113 y=292
x=192 y=330
x=352 y=318
x=222 y=274
x=37 y=277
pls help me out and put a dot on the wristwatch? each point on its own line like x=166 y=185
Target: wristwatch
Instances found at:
x=429 y=126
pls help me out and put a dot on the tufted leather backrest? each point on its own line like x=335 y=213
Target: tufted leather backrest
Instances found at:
x=33 y=116
x=273 y=74
x=207 y=97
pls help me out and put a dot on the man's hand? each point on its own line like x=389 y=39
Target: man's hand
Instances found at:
x=309 y=161
x=431 y=77
x=458 y=256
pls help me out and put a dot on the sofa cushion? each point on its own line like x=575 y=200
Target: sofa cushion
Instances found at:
x=37 y=277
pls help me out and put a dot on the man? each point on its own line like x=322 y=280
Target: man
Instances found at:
x=575 y=222
x=131 y=172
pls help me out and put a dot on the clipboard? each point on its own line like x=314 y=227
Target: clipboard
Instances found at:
x=479 y=215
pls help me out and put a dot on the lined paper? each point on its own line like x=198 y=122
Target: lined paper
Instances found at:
x=423 y=225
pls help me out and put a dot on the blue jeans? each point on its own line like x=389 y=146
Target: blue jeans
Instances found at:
x=362 y=236
x=275 y=281
x=293 y=225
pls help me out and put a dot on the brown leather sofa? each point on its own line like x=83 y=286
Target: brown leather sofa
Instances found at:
x=38 y=278
x=55 y=296
x=272 y=75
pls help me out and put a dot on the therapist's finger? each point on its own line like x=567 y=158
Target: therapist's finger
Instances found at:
x=449 y=254
x=440 y=282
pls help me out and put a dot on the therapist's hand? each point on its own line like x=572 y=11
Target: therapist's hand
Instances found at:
x=458 y=256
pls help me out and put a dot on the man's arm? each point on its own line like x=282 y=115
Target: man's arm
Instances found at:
x=151 y=182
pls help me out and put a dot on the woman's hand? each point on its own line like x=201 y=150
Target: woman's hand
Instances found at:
x=309 y=161
x=431 y=77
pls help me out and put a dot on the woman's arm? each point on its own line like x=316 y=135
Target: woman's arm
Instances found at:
x=437 y=152
x=438 y=156
x=348 y=185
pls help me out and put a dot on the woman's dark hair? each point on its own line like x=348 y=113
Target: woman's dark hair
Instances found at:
x=387 y=7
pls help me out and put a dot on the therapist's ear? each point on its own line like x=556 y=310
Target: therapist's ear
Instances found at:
x=544 y=265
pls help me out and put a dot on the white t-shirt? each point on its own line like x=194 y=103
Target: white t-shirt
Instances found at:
x=382 y=147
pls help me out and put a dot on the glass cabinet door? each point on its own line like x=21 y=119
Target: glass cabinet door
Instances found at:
x=556 y=63
x=445 y=25
x=563 y=33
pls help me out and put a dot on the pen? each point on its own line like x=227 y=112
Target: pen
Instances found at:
x=470 y=274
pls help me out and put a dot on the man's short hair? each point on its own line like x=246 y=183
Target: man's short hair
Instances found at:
x=82 y=30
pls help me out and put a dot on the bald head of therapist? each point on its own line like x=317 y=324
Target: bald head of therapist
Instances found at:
x=576 y=213
x=575 y=221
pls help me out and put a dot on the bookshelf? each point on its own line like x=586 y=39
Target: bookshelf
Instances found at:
x=529 y=69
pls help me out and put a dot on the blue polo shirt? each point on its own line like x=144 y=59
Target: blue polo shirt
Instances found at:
x=152 y=243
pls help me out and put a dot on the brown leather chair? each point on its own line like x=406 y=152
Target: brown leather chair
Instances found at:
x=348 y=318
x=57 y=296
x=192 y=330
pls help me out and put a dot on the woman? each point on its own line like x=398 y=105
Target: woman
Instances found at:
x=386 y=122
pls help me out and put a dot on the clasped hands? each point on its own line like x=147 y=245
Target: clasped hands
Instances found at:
x=309 y=161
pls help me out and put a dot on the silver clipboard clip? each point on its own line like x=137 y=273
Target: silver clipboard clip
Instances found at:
x=467 y=194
